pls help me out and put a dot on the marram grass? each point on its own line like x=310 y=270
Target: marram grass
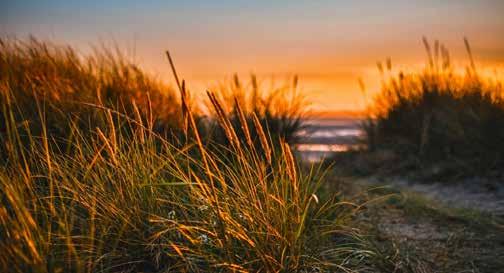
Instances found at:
x=122 y=198
x=440 y=116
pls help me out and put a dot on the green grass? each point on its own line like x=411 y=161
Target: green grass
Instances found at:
x=92 y=184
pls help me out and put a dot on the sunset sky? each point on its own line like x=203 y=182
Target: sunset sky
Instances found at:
x=329 y=44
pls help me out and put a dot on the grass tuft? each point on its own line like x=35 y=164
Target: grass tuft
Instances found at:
x=439 y=116
x=90 y=182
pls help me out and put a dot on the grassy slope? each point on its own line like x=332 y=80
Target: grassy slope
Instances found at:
x=92 y=181
x=439 y=118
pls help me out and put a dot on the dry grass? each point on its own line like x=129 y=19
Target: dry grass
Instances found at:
x=279 y=110
x=64 y=82
x=438 y=114
x=120 y=197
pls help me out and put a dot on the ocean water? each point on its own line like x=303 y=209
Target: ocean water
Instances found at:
x=323 y=137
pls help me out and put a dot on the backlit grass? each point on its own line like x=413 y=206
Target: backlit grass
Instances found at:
x=94 y=186
x=439 y=115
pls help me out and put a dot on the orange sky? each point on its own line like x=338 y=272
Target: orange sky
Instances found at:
x=329 y=44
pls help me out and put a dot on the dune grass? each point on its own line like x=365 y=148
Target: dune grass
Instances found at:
x=89 y=182
x=280 y=110
x=438 y=115
x=64 y=82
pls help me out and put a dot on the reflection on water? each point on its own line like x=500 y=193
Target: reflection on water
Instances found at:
x=330 y=133
x=322 y=147
x=324 y=137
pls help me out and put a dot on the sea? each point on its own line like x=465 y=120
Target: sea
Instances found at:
x=323 y=137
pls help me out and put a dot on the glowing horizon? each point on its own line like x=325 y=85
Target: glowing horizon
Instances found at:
x=329 y=44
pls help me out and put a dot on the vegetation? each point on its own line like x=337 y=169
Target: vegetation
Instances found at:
x=90 y=182
x=280 y=111
x=439 y=116
x=66 y=84
x=103 y=168
x=434 y=126
x=424 y=235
